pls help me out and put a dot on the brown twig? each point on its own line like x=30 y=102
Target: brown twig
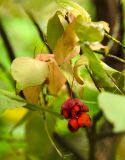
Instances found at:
x=6 y=42
x=41 y=34
x=111 y=56
x=93 y=79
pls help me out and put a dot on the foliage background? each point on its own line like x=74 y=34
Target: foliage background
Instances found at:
x=29 y=140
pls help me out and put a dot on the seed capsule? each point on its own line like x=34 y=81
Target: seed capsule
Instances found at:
x=71 y=107
x=84 y=120
x=73 y=125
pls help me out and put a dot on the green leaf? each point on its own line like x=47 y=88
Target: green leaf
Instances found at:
x=29 y=72
x=95 y=65
x=113 y=107
x=77 y=9
x=89 y=31
x=10 y=100
x=54 y=30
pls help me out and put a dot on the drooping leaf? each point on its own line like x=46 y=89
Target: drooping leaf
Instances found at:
x=67 y=47
x=113 y=107
x=79 y=63
x=32 y=94
x=89 y=31
x=77 y=76
x=54 y=30
x=29 y=72
x=75 y=8
x=56 y=78
x=9 y=100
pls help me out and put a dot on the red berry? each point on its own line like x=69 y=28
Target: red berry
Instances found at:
x=66 y=107
x=84 y=108
x=72 y=107
x=84 y=120
x=75 y=111
x=73 y=125
x=65 y=113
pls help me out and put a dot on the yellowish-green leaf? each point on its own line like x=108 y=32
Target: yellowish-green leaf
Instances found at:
x=29 y=72
x=75 y=9
x=67 y=47
x=89 y=31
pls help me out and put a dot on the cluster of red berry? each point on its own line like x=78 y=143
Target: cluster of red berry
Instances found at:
x=74 y=110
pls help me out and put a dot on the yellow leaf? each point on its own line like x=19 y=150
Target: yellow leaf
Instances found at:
x=14 y=115
x=67 y=47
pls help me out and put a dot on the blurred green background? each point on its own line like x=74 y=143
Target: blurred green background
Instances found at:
x=29 y=141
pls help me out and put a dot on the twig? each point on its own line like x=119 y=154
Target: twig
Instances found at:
x=116 y=86
x=41 y=34
x=6 y=42
x=115 y=40
x=111 y=56
x=62 y=156
x=52 y=142
x=92 y=135
x=93 y=79
x=40 y=108
x=70 y=90
x=96 y=118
